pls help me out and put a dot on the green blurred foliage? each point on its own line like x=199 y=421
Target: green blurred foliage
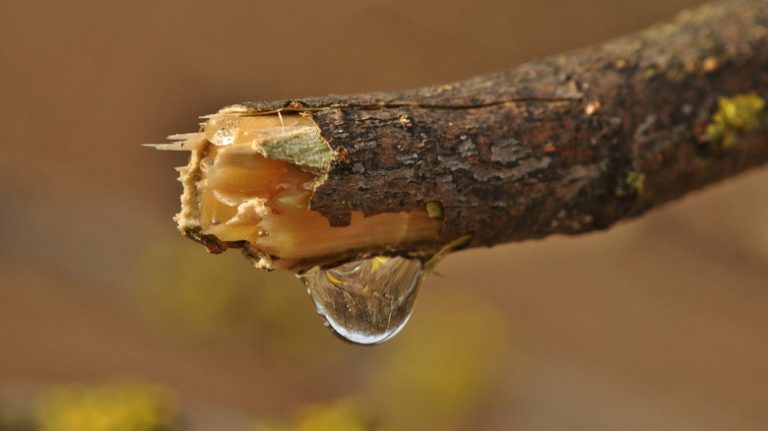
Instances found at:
x=340 y=415
x=436 y=374
x=440 y=372
x=181 y=286
x=118 y=405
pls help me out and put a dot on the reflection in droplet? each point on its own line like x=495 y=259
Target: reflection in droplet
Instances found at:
x=366 y=301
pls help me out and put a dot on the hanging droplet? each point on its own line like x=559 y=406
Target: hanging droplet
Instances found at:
x=366 y=301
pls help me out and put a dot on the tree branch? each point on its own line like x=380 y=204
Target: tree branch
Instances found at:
x=564 y=145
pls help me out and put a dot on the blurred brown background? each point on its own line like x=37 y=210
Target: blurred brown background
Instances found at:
x=658 y=324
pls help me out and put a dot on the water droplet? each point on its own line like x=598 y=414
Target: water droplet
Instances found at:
x=223 y=130
x=223 y=137
x=366 y=301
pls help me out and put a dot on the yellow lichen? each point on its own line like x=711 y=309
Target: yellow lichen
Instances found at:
x=634 y=183
x=435 y=210
x=734 y=117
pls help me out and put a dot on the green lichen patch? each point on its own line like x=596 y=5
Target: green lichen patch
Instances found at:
x=632 y=184
x=303 y=147
x=734 y=117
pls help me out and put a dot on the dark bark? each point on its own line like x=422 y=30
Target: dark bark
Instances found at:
x=567 y=144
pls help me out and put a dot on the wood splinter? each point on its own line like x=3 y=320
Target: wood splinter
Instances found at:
x=564 y=145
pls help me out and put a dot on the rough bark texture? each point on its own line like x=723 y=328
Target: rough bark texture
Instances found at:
x=567 y=144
